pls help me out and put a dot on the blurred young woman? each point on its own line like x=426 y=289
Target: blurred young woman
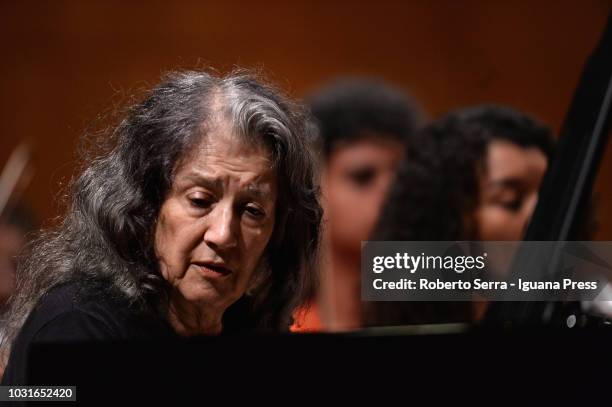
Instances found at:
x=473 y=174
x=365 y=126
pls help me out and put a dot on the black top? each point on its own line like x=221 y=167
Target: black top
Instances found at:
x=73 y=313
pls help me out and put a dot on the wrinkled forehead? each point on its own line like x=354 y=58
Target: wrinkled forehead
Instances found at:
x=234 y=125
x=218 y=142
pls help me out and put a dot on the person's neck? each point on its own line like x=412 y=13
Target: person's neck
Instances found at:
x=340 y=296
x=190 y=320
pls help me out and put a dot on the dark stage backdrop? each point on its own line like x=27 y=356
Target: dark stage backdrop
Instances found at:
x=63 y=62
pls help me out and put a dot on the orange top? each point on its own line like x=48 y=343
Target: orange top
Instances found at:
x=307 y=319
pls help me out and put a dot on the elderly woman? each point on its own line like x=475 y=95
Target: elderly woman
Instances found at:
x=200 y=216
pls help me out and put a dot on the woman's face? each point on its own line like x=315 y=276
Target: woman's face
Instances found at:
x=509 y=190
x=216 y=221
x=354 y=185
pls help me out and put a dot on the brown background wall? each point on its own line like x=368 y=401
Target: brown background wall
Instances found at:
x=64 y=62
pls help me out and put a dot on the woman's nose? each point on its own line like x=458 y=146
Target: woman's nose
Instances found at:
x=220 y=233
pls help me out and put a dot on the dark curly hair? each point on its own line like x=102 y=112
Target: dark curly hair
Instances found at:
x=438 y=185
x=350 y=108
x=108 y=230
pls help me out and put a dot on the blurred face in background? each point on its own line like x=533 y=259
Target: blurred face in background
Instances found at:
x=355 y=183
x=509 y=189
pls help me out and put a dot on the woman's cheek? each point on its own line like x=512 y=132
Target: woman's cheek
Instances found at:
x=174 y=238
x=256 y=243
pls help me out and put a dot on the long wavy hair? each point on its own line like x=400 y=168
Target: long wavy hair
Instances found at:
x=108 y=230
x=437 y=187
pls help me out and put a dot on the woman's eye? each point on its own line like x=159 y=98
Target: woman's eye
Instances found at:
x=513 y=205
x=200 y=202
x=363 y=176
x=255 y=212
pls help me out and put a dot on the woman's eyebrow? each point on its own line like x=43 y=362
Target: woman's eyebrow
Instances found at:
x=205 y=181
x=258 y=191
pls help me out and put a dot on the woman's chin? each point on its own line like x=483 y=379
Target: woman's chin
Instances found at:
x=204 y=294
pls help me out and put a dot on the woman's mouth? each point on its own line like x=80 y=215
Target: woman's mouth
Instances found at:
x=213 y=269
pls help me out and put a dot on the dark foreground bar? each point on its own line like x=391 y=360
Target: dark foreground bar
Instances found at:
x=407 y=363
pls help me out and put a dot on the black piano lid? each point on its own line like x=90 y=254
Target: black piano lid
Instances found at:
x=568 y=183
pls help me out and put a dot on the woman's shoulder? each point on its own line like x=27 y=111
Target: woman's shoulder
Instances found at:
x=69 y=312
x=80 y=312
